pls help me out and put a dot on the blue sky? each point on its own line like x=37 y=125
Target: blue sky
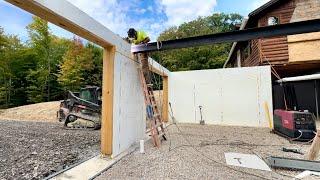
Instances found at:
x=153 y=16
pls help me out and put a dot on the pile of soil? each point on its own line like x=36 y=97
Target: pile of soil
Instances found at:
x=34 y=150
x=45 y=112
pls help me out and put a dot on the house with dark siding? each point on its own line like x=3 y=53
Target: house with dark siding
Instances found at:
x=289 y=55
x=295 y=56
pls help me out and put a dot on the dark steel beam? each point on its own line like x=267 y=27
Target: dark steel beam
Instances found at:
x=299 y=164
x=233 y=36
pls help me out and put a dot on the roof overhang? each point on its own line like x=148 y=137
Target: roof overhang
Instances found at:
x=243 y=25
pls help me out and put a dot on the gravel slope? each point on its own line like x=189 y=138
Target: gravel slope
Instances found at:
x=44 y=112
x=33 y=150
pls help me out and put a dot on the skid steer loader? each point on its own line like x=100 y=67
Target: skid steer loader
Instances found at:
x=82 y=109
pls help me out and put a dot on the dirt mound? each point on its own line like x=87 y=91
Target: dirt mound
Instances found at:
x=45 y=112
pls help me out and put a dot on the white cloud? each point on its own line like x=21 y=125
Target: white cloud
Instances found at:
x=179 y=11
x=110 y=13
x=114 y=13
x=257 y=3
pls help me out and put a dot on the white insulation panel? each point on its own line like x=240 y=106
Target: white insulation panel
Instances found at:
x=232 y=96
x=128 y=105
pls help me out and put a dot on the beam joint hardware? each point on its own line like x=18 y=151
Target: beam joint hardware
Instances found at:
x=233 y=36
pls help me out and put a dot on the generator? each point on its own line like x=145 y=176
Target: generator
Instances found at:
x=294 y=124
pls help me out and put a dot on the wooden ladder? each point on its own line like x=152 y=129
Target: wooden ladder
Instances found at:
x=153 y=113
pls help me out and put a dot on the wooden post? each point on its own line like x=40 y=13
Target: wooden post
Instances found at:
x=165 y=101
x=238 y=58
x=107 y=101
x=266 y=109
x=315 y=147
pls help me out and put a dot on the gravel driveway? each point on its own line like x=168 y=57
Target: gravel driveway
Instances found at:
x=34 y=150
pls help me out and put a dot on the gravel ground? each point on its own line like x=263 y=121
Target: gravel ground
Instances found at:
x=33 y=150
x=176 y=159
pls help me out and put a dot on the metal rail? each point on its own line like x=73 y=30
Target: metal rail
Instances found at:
x=298 y=164
x=233 y=36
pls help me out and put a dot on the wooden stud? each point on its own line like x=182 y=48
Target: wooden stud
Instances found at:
x=165 y=101
x=107 y=103
x=315 y=148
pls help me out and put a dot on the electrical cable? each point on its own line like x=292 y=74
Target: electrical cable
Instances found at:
x=294 y=139
x=207 y=157
x=217 y=162
x=275 y=73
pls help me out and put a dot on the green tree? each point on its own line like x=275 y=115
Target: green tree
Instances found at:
x=40 y=42
x=195 y=58
x=94 y=76
x=15 y=62
x=77 y=64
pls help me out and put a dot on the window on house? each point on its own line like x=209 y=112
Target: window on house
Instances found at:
x=273 y=20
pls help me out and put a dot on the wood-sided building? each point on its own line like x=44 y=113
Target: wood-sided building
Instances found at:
x=289 y=55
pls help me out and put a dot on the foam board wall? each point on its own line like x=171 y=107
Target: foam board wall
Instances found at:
x=233 y=96
x=128 y=105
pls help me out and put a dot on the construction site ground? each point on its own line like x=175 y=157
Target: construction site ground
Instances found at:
x=197 y=152
x=44 y=112
x=34 y=150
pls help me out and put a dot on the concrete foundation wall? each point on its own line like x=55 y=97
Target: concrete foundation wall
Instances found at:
x=233 y=96
x=128 y=111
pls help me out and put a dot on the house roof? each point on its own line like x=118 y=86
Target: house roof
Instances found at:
x=265 y=8
x=252 y=17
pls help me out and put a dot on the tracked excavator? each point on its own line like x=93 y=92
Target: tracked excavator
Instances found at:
x=82 y=110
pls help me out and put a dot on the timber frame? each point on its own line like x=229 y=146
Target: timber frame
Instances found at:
x=67 y=16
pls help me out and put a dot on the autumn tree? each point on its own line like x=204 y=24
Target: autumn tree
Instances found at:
x=76 y=65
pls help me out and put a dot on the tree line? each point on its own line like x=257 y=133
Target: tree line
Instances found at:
x=197 y=58
x=46 y=66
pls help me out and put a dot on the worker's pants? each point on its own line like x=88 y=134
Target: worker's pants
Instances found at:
x=143 y=59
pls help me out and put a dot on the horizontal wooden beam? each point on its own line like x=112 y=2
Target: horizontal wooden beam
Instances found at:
x=157 y=68
x=69 y=17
